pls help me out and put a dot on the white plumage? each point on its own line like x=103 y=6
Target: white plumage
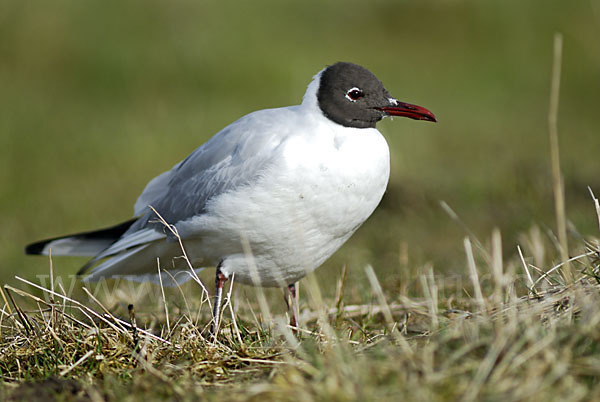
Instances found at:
x=269 y=198
x=307 y=185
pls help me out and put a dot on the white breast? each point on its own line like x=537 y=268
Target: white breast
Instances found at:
x=320 y=189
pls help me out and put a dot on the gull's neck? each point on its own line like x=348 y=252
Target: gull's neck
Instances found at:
x=309 y=101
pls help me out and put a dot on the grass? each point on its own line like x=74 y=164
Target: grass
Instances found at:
x=524 y=335
x=96 y=100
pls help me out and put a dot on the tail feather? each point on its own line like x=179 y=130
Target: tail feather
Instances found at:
x=80 y=244
x=140 y=262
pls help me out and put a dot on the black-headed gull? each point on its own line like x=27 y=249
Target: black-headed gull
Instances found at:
x=268 y=199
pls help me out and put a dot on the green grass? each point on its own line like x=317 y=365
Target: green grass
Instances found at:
x=432 y=342
x=98 y=98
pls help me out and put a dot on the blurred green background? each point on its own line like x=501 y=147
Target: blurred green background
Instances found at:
x=98 y=97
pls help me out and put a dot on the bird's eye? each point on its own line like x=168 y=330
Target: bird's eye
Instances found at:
x=354 y=94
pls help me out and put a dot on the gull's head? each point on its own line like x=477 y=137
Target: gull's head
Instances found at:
x=352 y=96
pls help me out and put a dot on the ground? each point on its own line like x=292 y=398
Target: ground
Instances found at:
x=98 y=98
x=516 y=339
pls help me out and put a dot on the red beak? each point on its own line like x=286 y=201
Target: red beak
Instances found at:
x=407 y=110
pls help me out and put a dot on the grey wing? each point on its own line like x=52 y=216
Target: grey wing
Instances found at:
x=234 y=157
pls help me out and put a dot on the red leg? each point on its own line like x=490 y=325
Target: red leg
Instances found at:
x=219 y=284
x=292 y=306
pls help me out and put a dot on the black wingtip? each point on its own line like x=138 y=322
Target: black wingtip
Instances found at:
x=110 y=233
x=36 y=248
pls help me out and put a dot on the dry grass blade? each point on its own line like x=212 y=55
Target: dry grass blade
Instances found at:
x=5 y=301
x=22 y=317
x=86 y=310
x=162 y=291
x=596 y=205
x=452 y=214
x=484 y=370
x=229 y=304
x=77 y=363
x=474 y=275
x=385 y=308
x=316 y=297
x=497 y=266
x=518 y=347
x=260 y=294
x=521 y=346
x=106 y=312
x=339 y=292
x=557 y=179
x=175 y=233
x=529 y=278
x=558 y=266
x=431 y=295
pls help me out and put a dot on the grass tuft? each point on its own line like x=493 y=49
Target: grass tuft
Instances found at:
x=436 y=343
